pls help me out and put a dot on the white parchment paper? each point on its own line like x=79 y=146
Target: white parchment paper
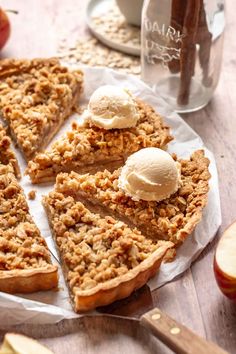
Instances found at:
x=53 y=306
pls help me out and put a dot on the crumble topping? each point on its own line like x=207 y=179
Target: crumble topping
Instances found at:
x=172 y=219
x=7 y=156
x=32 y=195
x=21 y=245
x=89 y=145
x=36 y=96
x=93 y=249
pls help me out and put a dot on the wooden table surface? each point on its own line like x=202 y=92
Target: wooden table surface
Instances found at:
x=194 y=298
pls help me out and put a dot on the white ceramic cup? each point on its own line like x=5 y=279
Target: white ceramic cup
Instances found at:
x=132 y=10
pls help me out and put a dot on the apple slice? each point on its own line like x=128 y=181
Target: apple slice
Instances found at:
x=19 y=344
x=225 y=262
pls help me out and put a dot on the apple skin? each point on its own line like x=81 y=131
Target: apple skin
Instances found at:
x=225 y=262
x=5 y=28
x=226 y=283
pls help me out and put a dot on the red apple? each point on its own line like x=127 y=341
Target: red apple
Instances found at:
x=225 y=262
x=5 y=28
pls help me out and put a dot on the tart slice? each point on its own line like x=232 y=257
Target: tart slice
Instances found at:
x=36 y=96
x=91 y=148
x=25 y=264
x=172 y=219
x=103 y=260
x=7 y=156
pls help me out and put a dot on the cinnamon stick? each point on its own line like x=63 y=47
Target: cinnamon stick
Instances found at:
x=188 y=50
x=204 y=39
x=177 y=21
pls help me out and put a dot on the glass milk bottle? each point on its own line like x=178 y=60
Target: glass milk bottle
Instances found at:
x=182 y=50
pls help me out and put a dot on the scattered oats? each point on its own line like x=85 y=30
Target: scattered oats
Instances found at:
x=113 y=26
x=136 y=70
x=92 y=52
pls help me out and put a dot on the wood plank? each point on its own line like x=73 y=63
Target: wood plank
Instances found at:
x=216 y=124
x=94 y=335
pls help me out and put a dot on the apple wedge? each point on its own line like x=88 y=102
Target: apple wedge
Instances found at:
x=225 y=262
x=19 y=344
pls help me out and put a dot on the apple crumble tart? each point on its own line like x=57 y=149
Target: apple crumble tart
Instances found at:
x=92 y=149
x=25 y=264
x=36 y=96
x=103 y=260
x=172 y=219
x=7 y=156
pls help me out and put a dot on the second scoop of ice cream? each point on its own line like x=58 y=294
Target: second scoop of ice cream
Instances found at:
x=111 y=107
x=150 y=174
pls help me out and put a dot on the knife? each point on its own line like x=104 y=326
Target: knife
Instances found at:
x=175 y=336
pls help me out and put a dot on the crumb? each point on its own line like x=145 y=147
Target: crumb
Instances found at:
x=32 y=195
x=80 y=109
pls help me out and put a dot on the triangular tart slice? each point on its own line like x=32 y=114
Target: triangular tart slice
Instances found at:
x=172 y=219
x=36 y=96
x=92 y=149
x=103 y=260
x=25 y=264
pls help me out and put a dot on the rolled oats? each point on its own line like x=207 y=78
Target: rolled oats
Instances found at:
x=114 y=27
x=83 y=53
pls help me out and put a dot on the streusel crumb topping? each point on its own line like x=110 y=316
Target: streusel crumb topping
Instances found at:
x=21 y=246
x=32 y=194
x=7 y=156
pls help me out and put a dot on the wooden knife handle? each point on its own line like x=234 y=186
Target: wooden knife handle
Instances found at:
x=175 y=336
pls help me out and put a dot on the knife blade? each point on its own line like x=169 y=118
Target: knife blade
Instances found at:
x=177 y=337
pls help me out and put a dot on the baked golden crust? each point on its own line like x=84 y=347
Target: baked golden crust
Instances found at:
x=7 y=156
x=28 y=280
x=103 y=259
x=172 y=219
x=92 y=149
x=122 y=286
x=36 y=96
x=25 y=264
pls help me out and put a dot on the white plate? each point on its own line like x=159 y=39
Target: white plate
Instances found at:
x=96 y=8
x=51 y=306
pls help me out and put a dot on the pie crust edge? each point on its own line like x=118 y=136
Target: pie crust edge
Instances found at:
x=122 y=286
x=117 y=288
x=28 y=280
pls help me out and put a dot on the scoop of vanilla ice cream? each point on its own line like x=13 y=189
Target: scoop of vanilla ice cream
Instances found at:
x=150 y=174
x=111 y=107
